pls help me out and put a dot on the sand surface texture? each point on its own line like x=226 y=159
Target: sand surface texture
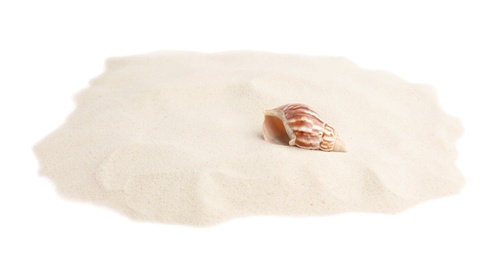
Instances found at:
x=176 y=137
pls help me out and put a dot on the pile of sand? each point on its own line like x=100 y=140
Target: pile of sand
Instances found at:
x=175 y=137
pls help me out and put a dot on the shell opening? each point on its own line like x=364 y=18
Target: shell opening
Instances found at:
x=275 y=129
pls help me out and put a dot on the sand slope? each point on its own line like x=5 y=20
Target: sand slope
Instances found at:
x=175 y=137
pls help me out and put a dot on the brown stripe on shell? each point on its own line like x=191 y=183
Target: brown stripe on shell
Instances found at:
x=307 y=140
x=328 y=138
x=294 y=110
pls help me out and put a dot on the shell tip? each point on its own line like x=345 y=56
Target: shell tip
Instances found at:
x=339 y=146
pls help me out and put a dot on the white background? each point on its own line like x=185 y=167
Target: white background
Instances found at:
x=51 y=49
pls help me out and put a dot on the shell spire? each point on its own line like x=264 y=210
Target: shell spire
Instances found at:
x=299 y=125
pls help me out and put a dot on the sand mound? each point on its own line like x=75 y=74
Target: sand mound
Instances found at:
x=176 y=137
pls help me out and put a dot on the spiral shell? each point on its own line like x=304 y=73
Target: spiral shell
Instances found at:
x=299 y=125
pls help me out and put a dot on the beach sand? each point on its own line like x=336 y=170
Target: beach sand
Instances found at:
x=176 y=137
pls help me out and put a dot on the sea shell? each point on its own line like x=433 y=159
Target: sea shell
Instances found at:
x=299 y=125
